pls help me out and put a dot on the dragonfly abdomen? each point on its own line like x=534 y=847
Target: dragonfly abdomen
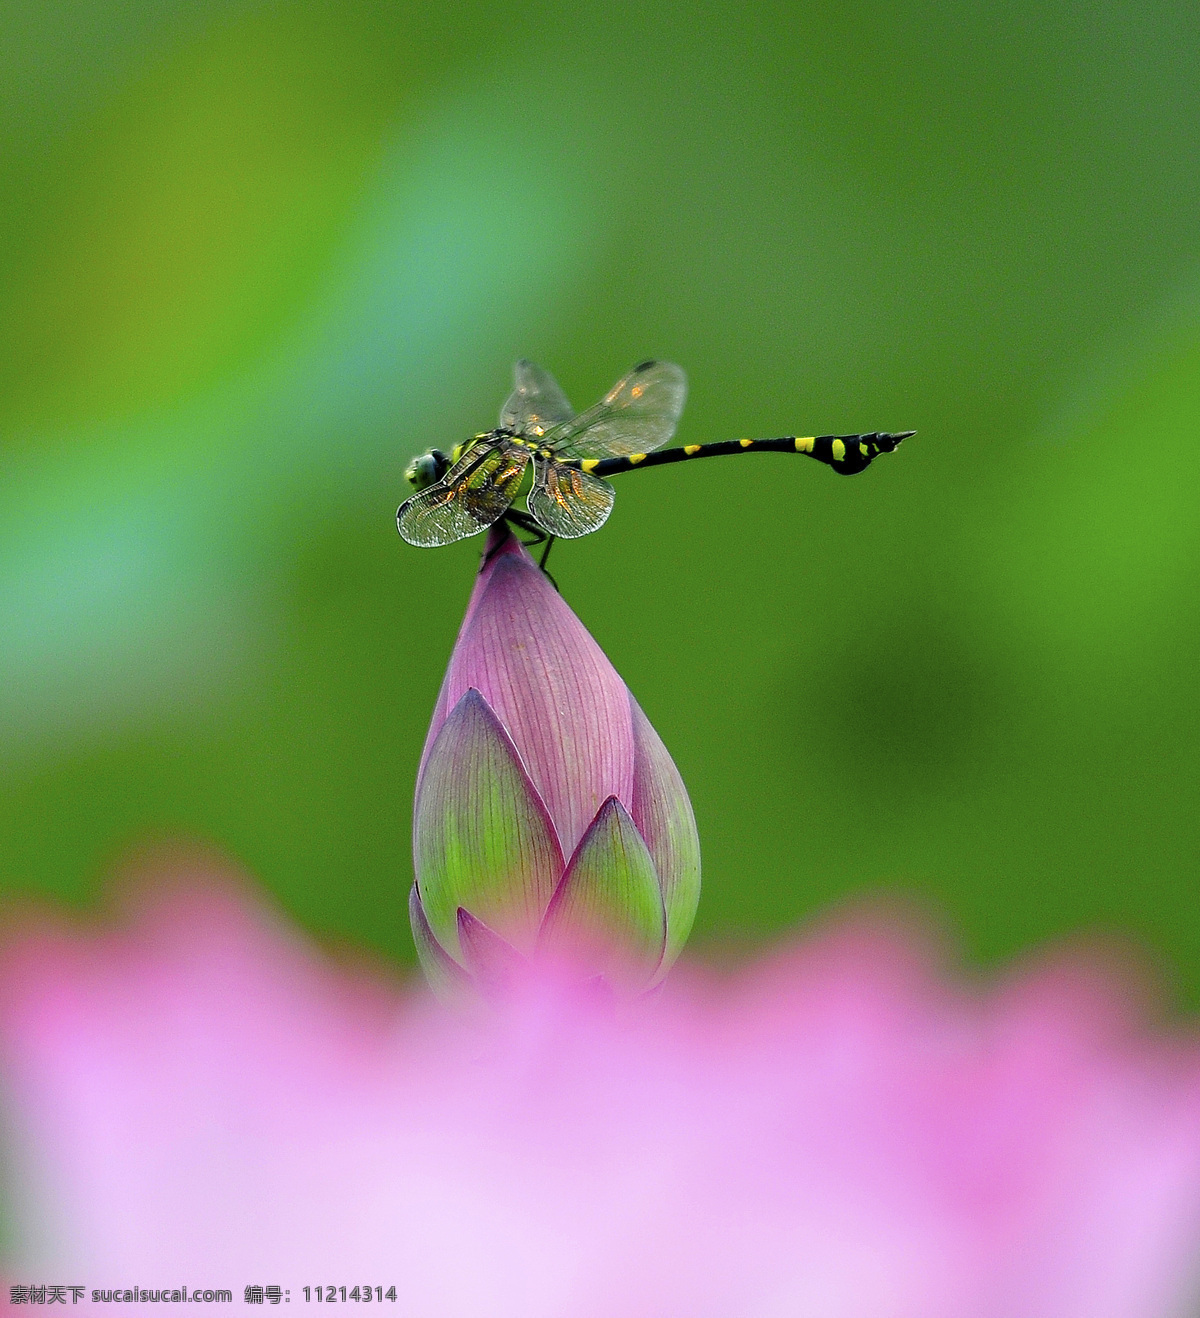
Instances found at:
x=846 y=454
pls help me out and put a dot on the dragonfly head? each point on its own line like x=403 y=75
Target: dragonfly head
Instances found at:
x=427 y=469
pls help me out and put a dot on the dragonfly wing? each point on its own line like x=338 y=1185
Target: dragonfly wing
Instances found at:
x=568 y=502
x=637 y=415
x=536 y=405
x=473 y=494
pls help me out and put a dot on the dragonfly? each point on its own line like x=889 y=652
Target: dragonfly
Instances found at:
x=463 y=493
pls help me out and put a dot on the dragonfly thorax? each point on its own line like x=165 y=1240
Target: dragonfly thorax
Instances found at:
x=543 y=447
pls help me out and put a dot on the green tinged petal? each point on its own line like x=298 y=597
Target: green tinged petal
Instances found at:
x=663 y=815
x=482 y=838
x=608 y=910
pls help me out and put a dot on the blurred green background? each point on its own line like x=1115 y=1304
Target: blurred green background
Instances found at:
x=253 y=256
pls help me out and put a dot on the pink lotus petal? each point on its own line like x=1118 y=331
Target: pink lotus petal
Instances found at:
x=561 y=701
x=840 y=1132
x=663 y=815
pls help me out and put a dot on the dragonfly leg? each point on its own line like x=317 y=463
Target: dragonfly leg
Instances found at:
x=542 y=562
x=540 y=537
x=526 y=523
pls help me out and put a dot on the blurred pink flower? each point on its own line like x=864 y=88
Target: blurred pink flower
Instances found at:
x=549 y=817
x=837 y=1132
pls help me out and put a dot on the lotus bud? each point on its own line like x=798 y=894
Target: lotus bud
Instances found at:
x=550 y=822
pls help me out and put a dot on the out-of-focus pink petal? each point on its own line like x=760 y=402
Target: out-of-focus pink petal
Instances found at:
x=560 y=700
x=663 y=815
x=840 y=1132
x=481 y=835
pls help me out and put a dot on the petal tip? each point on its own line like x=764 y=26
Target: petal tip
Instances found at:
x=445 y=976
x=494 y=964
x=606 y=915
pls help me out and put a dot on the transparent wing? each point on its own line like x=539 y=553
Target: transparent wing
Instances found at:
x=637 y=415
x=568 y=502
x=536 y=405
x=476 y=491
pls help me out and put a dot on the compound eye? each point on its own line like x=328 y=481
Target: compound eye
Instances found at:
x=422 y=471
